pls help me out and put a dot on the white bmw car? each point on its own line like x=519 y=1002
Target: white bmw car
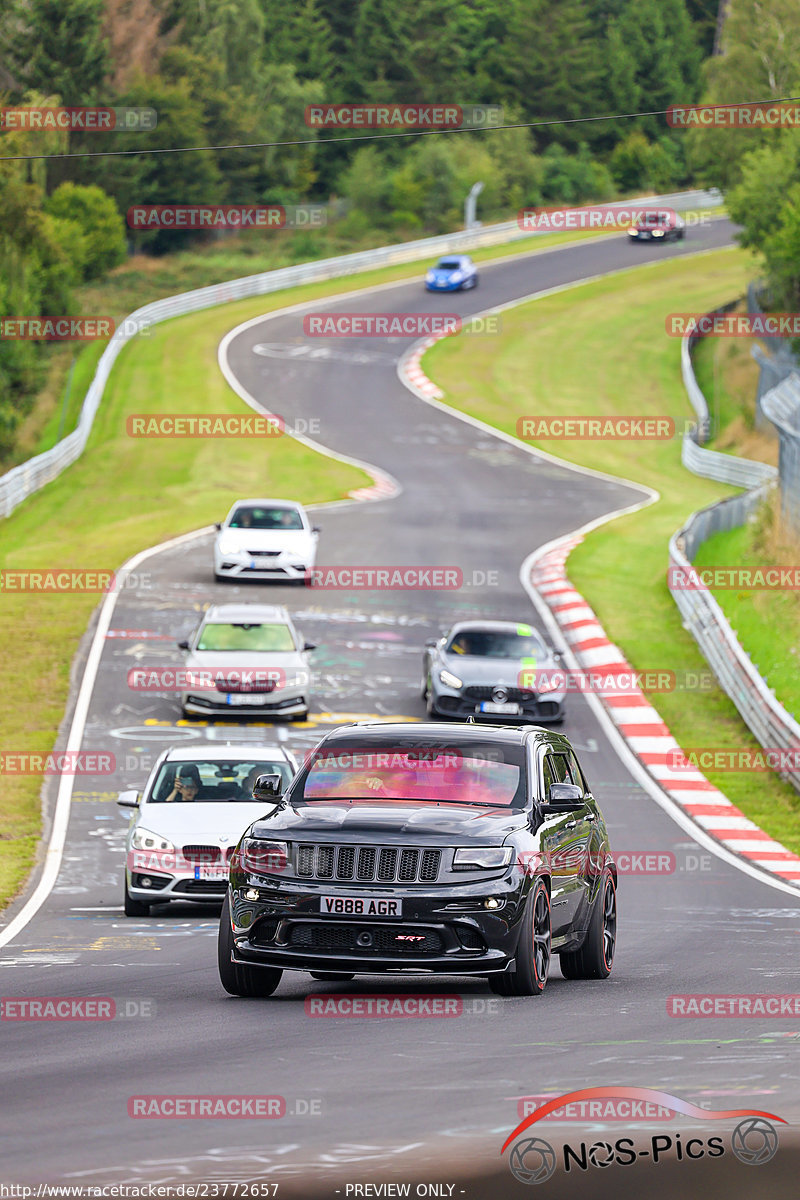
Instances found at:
x=267 y=540
x=184 y=826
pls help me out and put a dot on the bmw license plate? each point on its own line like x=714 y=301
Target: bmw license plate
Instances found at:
x=211 y=872
x=237 y=698
x=493 y=706
x=360 y=906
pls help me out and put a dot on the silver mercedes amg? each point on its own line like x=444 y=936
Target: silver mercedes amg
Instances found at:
x=493 y=671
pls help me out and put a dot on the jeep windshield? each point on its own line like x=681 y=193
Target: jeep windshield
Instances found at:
x=469 y=773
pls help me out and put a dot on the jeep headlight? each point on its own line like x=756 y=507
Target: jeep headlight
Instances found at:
x=482 y=858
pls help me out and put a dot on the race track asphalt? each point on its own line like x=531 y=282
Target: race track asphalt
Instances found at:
x=389 y=1099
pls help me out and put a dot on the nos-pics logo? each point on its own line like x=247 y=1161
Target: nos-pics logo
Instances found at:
x=534 y=1160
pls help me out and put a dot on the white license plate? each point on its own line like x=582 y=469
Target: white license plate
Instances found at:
x=210 y=873
x=360 y=906
x=237 y=698
x=492 y=706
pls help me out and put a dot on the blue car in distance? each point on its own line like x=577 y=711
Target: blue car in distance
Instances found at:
x=451 y=274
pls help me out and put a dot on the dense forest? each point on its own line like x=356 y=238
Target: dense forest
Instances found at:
x=223 y=73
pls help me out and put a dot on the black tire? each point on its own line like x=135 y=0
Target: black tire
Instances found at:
x=237 y=979
x=135 y=908
x=534 y=950
x=331 y=976
x=595 y=958
x=219 y=578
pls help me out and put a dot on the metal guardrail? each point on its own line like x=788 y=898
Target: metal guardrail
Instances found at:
x=772 y=725
x=782 y=406
x=768 y=720
x=711 y=464
x=725 y=468
x=22 y=481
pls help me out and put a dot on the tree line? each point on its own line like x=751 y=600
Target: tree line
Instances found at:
x=224 y=73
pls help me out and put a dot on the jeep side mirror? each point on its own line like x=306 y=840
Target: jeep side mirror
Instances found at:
x=563 y=798
x=268 y=787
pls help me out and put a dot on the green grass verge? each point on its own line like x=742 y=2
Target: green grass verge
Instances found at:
x=120 y=497
x=142 y=280
x=756 y=615
x=601 y=349
x=110 y=504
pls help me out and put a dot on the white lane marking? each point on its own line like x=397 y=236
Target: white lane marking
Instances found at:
x=105 y=908
x=383 y=481
x=55 y=848
x=385 y=486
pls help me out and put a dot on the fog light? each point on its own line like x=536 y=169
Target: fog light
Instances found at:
x=492 y=903
x=145 y=881
x=251 y=894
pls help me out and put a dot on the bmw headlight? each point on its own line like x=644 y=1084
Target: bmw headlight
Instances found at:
x=450 y=680
x=482 y=858
x=145 y=839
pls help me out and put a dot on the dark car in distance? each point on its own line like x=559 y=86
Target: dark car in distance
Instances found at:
x=658 y=227
x=478 y=850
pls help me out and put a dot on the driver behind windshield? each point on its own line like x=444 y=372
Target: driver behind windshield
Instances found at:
x=187 y=786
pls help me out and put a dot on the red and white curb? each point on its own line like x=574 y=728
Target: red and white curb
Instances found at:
x=644 y=730
x=634 y=718
x=414 y=373
x=382 y=489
